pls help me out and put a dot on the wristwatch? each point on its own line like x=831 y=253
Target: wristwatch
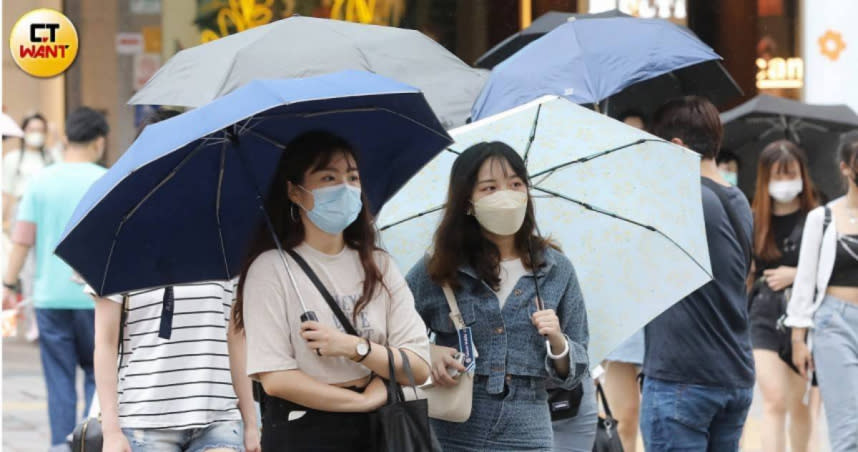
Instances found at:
x=362 y=348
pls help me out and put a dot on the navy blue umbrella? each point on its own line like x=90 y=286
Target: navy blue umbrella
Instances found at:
x=590 y=61
x=183 y=202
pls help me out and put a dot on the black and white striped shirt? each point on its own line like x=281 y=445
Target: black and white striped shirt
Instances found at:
x=182 y=382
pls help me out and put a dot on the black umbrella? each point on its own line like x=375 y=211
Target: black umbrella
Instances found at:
x=538 y=28
x=751 y=126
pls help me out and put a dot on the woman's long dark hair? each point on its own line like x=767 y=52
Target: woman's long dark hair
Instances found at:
x=308 y=152
x=782 y=152
x=460 y=241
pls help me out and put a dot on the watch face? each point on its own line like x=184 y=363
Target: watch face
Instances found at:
x=362 y=349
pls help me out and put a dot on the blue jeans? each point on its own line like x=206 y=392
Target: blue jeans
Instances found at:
x=684 y=417
x=835 y=353
x=218 y=435
x=66 y=341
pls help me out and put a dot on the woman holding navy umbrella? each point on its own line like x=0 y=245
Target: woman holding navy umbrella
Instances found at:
x=320 y=382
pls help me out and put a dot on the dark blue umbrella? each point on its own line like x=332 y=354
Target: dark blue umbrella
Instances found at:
x=181 y=205
x=589 y=61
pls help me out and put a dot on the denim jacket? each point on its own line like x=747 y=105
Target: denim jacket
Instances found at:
x=507 y=342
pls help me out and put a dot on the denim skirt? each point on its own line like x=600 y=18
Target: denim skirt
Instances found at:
x=515 y=420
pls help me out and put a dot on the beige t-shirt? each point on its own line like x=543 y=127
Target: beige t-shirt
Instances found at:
x=272 y=313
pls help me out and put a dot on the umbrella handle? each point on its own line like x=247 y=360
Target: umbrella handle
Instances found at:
x=548 y=347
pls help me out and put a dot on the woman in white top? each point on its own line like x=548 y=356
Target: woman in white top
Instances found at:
x=180 y=383
x=21 y=164
x=825 y=299
x=177 y=390
x=320 y=383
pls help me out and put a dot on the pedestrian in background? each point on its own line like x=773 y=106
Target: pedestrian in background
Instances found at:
x=698 y=367
x=63 y=311
x=488 y=252
x=729 y=165
x=825 y=299
x=321 y=383
x=19 y=166
x=183 y=389
x=783 y=197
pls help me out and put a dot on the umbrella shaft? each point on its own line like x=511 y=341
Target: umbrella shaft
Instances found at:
x=291 y=277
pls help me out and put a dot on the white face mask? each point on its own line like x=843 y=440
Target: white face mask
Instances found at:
x=785 y=191
x=34 y=139
x=502 y=212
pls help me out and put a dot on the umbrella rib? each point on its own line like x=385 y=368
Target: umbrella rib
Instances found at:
x=593 y=208
x=137 y=207
x=267 y=139
x=532 y=133
x=218 y=212
x=260 y=200
x=412 y=217
x=594 y=156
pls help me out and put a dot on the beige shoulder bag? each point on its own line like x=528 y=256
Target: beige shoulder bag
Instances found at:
x=451 y=404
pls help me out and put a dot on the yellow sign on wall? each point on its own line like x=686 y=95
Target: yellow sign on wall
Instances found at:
x=780 y=73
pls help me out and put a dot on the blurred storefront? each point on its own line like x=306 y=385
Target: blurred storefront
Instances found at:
x=124 y=42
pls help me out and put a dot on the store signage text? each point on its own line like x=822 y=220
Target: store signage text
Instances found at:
x=780 y=73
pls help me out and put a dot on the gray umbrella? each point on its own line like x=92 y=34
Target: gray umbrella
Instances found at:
x=305 y=46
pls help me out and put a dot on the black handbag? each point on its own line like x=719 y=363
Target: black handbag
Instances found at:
x=87 y=436
x=400 y=425
x=564 y=403
x=607 y=438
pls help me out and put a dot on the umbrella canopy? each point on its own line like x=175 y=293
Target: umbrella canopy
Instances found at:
x=537 y=29
x=195 y=76
x=8 y=127
x=182 y=203
x=594 y=60
x=750 y=127
x=623 y=205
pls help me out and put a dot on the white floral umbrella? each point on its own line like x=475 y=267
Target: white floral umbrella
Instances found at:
x=624 y=206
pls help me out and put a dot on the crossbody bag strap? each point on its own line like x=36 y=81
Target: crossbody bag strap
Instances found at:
x=350 y=329
x=605 y=406
x=455 y=314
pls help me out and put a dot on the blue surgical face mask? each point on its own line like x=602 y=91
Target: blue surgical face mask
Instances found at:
x=730 y=177
x=334 y=208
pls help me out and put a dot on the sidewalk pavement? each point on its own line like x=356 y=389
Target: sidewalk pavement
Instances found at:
x=25 y=419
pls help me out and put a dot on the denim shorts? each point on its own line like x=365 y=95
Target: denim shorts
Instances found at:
x=218 y=435
x=516 y=420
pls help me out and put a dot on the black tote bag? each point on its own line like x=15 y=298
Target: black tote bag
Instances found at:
x=607 y=438
x=400 y=425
